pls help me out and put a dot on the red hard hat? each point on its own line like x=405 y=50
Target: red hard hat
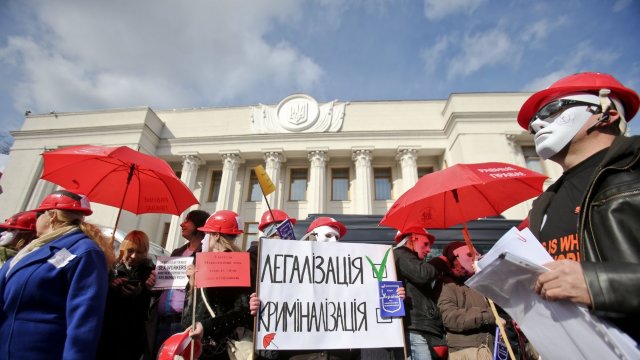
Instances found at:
x=25 y=220
x=327 y=221
x=224 y=222
x=65 y=200
x=413 y=230
x=179 y=344
x=278 y=215
x=589 y=82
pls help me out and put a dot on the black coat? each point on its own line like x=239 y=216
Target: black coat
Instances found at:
x=609 y=234
x=422 y=285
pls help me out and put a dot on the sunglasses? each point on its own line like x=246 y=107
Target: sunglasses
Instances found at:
x=555 y=107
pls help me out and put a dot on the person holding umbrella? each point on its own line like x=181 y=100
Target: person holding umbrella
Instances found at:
x=588 y=219
x=423 y=322
x=54 y=290
x=15 y=233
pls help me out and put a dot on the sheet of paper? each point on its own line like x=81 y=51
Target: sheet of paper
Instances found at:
x=557 y=329
x=521 y=243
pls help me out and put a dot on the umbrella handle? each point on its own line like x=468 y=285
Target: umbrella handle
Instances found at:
x=131 y=169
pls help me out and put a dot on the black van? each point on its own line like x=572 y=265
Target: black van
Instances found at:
x=364 y=228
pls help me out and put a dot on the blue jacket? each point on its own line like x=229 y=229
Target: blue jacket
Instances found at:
x=54 y=311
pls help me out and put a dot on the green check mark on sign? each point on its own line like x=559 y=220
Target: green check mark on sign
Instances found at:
x=379 y=271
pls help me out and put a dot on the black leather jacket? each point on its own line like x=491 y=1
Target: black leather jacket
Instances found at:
x=609 y=234
x=422 y=285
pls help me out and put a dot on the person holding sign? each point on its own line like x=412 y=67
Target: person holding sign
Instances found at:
x=423 y=321
x=588 y=219
x=466 y=314
x=170 y=303
x=219 y=311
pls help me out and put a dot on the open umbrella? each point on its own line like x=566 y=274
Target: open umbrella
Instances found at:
x=120 y=177
x=462 y=193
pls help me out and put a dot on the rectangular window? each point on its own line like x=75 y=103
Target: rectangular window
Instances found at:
x=214 y=188
x=424 y=170
x=382 y=182
x=298 y=185
x=340 y=184
x=532 y=159
x=250 y=234
x=255 y=193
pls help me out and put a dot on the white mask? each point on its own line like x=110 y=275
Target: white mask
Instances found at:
x=326 y=234
x=463 y=256
x=555 y=132
x=7 y=237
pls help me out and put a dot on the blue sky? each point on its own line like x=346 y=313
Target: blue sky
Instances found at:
x=93 y=54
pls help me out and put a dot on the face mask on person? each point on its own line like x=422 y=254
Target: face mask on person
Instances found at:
x=7 y=237
x=326 y=234
x=464 y=257
x=558 y=122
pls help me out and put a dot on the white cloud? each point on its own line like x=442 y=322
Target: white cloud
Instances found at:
x=438 y=9
x=481 y=50
x=435 y=55
x=95 y=54
x=540 y=30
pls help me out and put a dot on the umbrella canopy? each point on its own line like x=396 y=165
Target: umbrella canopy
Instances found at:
x=120 y=177
x=462 y=193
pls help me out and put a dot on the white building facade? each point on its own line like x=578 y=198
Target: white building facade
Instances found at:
x=336 y=157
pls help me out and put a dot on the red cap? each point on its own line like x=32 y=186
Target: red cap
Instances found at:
x=25 y=220
x=278 y=215
x=328 y=221
x=414 y=230
x=65 y=200
x=224 y=222
x=589 y=82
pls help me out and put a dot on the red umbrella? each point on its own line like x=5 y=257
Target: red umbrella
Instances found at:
x=462 y=193
x=120 y=177
x=268 y=340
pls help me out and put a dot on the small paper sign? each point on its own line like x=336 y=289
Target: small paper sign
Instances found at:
x=171 y=272
x=218 y=269
x=391 y=304
x=500 y=351
x=285 y=230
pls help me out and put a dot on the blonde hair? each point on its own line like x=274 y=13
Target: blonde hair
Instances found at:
x=70 y=217
x=224 y=243
x=135 y=239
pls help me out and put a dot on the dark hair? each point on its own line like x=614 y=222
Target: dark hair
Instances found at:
x=198 y=218
x=450 y=248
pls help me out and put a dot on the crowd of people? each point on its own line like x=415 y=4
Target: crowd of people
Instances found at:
x=66 y=295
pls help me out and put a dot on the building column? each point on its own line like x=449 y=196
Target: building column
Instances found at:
x=190 y=164
x=363 y=203
x=272 y=160
x=230 y=164
x=317 y=182
x=408 y=163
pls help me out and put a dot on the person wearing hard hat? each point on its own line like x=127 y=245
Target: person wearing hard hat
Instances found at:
x=54 y=290
x=170 y=303
x=423 y=322
x=15 y=233
x=220 y=311
x=326 y=229
x=270 y=220
x=579 y=122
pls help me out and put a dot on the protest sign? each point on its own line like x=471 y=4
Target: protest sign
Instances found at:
x=171 y=272
x=216 y=269
x=324 y=296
